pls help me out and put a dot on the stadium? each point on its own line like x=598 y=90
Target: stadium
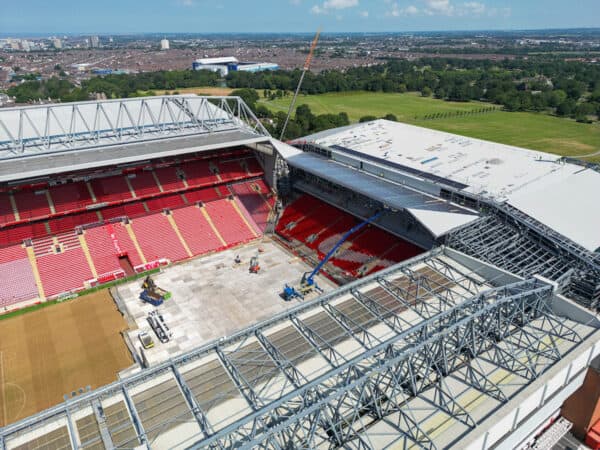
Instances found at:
x=442 y=291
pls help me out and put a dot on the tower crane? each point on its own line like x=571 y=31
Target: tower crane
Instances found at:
x=304 y=70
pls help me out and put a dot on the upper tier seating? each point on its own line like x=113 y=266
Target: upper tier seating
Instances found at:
x=143 y=183
x=32 y=204
x=198 y=174
x=111 y=189
x=6 y=210
x=168 y=178
x=70 y=197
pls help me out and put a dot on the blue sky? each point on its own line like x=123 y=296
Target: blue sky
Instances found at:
x=166 y=16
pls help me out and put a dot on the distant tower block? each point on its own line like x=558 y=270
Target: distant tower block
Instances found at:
x=164 y=44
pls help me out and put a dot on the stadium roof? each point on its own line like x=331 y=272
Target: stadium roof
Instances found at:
x=542 y=185
x=45 y=139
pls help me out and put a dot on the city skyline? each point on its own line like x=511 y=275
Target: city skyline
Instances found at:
x=202 y=16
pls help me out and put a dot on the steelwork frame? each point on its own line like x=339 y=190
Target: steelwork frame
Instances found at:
x=175 y=116
x=374 y=384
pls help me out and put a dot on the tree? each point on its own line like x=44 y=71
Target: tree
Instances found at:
x=249 y=96
x=566 y=108
x=390 y=117
x=426 y=91
x=367 y=119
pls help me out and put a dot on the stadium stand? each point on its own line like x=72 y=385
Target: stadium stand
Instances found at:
x=319 y=226
x=249 y=195
x=110 y=189
x=48 y=216
x=198 y=174
x=196 y=230
x=70 y=197
x=32 y=204
x=143 y=183
x=229 y=223
x=103 y=251
x=65 y=271
x=157 y=238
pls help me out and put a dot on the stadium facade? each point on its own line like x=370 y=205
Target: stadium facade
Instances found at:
x=469 y=331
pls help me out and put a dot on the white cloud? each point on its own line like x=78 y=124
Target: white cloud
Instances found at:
x=472 y=8
x=340 y=4
x=396 y=11
x=439 y=7
x=295 y=2
x=364 y=14
x=187 y=2
x=330 y=5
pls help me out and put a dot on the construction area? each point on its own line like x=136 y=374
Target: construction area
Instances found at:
x=213 y=296
x=374 y=286
x=56 y=351
x=427 y=350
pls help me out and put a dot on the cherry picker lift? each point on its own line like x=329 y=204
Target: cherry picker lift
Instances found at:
x=308 y=284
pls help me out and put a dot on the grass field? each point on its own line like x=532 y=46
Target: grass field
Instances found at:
x=209 y=90
x=53 y=351
x=530 y=130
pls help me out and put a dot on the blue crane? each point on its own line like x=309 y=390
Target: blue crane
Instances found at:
x=307 y=284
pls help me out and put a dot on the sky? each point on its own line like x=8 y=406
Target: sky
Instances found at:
x=209 y=16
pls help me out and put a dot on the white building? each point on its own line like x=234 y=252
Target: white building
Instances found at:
x=164 y=44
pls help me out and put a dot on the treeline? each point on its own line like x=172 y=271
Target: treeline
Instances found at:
x=302 y=123
x=113 y=86
x=566 y=88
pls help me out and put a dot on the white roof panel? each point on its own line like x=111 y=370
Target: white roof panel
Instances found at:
x=568 y=205
x=561 y=195
x=440 y=223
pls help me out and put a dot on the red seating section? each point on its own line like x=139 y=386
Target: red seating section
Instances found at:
x=111 y=189
x=99 y=205
x=168 y=179
x=125 y=243
x=319 y=226
x=70 y=197
x=231 y=170
x=157 y=238
x=249 y=195
x=143 y=183
x=63 y=272
x=32 y=204
x=196 y=230
x=229 y=223
x=6 y=211
x=198 y=174
x=102 y=250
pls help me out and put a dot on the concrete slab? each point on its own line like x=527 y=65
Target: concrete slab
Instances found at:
x=213 y=297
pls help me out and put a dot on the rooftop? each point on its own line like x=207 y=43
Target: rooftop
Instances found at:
x=540 y=184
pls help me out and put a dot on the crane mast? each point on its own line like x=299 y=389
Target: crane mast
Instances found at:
x=313 y=45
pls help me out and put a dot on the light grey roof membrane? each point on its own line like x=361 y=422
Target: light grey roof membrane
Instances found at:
x=391 y=194
x=42 y=165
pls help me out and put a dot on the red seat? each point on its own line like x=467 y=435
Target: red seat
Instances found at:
x=143 y=183
x=228 y=222
x=32 y=204
x=157 y=238
x=196 y=230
